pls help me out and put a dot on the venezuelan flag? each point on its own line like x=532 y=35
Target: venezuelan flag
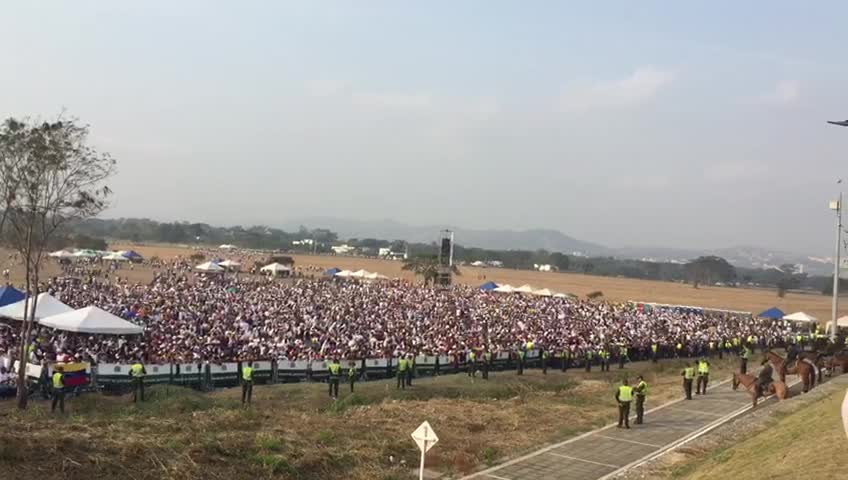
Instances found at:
x=76 y=374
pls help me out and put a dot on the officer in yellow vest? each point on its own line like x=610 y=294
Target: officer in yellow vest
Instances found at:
x=137 y=372
x=703 y=376
x=335 y=369
x=522 y=357
x=654 y=353
x=401 y=373
x=58 y=389
x=604 y=360
x=472 y=363
x=743 y=359
x=588 y=359
x=247 y=384
x=352 y=374
x=545 y=357
x=641 y=392
x=487 y=363
x=679 y=349
x=688 y=375
x=624 y=395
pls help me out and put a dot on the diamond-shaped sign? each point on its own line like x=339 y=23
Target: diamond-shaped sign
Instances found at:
x=425 y=437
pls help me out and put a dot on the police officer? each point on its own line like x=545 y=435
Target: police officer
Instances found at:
x=703 y=376
x=641 y=392
x=487 y=363
x=688 y=375
x=351 y=375
x=622 y=356
x=247 y=384
x=137 y=372
x=58 y=390
x=522 y=357
x=545 y=357
x=472 y=363
x=605 y=355
x=743 y=359
x=654 y=353
x=335 y=369
x=401 y=373
x=624 y=395
x=588 y=359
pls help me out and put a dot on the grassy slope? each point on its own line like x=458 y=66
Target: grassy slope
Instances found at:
x=808 y=444
x=296 y=432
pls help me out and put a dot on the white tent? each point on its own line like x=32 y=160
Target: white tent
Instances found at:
x=209 y=267
x=524 y=289
x=343 y=274
x=229 y=264
x=505 y=289
x=116 y=257
x=91 y=320
x=61 y=254
x=375 y=276
x=360 y=274
x=46 y=306
x=85 y=254
x=227 y=246
x=542 y=293
x=560 y=295
x=800 y=317
x=842 y=322
x=276 y=268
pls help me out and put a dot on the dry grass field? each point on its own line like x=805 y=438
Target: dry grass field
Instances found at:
x=619 y=289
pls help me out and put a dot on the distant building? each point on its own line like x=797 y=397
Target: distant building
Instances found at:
x=306 y=241
x=342 y=249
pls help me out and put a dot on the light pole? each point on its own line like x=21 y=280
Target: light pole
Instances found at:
x=837 y=205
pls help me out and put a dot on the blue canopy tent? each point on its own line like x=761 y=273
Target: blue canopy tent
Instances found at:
x=132 y=255
x=332 y=271
x=773 y=313
x=488 y=286
x=9 y=295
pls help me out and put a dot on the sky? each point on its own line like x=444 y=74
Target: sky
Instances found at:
x=680 y=124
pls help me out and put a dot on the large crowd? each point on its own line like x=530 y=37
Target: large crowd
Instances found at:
x=194 y=318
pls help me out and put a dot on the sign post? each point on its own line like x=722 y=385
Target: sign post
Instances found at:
x=425 y=437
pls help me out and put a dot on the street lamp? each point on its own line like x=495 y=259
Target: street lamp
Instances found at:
x=837 y=206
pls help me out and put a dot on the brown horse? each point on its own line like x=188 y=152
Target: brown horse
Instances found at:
x=839 y=359
x=814 y=358
x=750 y=384
x=804 y=368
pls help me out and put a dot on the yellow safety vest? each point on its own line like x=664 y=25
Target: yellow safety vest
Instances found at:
x=625 y=393
x=335 y=369
x=58 y=380
x=703 y=367
x=689 y=373
x=642 y=388
x=137 y=370
x=247 y=374
x=654 y=348
x=351 y=372
x=530 y=345
x=402 y=365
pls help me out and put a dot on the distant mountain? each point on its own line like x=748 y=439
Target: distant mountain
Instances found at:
x=551 y=240
x=556 y=241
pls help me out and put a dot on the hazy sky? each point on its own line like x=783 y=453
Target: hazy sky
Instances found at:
x=687 y=124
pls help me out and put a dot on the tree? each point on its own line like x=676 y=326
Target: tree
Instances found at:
x=426 y=267
x=51 y=177
x=709 y=270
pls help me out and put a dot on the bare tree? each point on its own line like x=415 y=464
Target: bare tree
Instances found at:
x=52 y=177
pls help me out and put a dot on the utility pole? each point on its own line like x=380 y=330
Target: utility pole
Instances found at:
x=836 y=205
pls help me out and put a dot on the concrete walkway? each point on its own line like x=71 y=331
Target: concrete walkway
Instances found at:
x=602 y=453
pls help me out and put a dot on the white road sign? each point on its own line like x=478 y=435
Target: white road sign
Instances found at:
x=425 y=437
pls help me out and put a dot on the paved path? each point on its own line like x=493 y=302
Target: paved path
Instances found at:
x=600 y=454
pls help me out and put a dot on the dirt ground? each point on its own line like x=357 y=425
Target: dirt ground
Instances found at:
x=617 y=289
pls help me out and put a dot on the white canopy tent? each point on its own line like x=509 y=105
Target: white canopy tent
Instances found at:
x=85 y=254
x=343 y=274
x=505 y=289
x=209 y=267
x=544 y=292
x=91 y=320
x=61 y=254
x=801 y=317
x=45 y=306
x=524 y=289
x=360 y=274
x=841 y=322
x=227 y=246
x=375 y=276
x=229 y=264
x=276 y=269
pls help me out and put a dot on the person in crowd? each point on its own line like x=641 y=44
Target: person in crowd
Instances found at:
x=624 y=395
x=641 y=392
x=247 y=384
x=58 y=390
